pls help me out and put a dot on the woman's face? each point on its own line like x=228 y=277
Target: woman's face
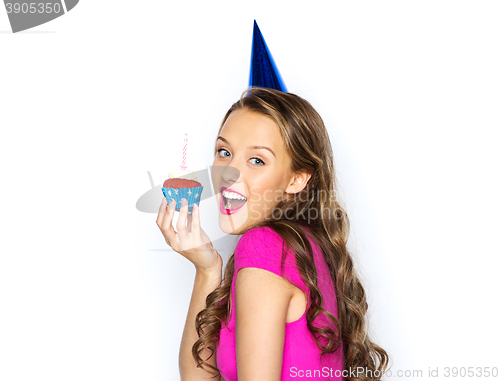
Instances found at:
x=258 y=177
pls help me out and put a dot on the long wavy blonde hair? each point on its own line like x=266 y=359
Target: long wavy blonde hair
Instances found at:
x=308 y=145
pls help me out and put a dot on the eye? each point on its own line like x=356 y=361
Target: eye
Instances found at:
x=222 y=149
x=253 y=158
x=256 y=158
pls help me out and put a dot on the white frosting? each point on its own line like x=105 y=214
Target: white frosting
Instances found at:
x=179 y=173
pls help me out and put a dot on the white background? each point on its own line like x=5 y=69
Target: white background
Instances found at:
x=93 y=100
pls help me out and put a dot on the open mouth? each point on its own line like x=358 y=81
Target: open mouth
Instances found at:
x=232 y=200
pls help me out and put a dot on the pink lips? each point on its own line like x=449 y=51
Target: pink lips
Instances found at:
x=224 y=210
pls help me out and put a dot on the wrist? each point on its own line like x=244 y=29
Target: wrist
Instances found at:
x=209 y=273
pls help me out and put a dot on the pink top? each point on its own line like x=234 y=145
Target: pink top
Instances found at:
x=262 y=247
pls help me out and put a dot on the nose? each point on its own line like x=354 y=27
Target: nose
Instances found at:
x=225 y=174
x=230 y=174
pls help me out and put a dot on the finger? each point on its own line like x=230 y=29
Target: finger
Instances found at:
x=199 y=236
x=181 y=222
x=195 y=222
x=168 y=229
x=169 y=216
x=189 y=222
x=161 y=212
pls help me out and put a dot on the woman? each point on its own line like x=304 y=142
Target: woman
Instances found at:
x=290 y=304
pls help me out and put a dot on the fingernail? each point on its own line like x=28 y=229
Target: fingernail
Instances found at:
x=171 y=204
x=163 y=200
x=183 y=202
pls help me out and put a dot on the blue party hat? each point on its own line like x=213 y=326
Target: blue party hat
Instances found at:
x=263 y=70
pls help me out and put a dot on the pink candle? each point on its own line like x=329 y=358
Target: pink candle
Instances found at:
x=184 y=151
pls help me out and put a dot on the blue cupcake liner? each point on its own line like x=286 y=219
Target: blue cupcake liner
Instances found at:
x=192 y=195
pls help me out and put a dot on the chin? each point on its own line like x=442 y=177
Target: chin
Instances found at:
x=233 y=223
x=227 y=229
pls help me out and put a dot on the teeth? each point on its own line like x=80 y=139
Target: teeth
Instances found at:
x=232 y=195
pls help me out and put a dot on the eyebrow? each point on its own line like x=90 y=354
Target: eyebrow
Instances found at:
x=252 y=147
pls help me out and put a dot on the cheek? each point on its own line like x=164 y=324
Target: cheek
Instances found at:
x=265 y=192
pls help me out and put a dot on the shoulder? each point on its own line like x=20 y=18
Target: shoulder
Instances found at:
x=263 y=234
x=259 y=243
x=266 y=237
x=264 y=248
x=261 y=248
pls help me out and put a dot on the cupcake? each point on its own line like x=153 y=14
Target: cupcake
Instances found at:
x=182 y=184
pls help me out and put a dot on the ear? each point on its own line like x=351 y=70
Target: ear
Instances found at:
x=298 y=182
